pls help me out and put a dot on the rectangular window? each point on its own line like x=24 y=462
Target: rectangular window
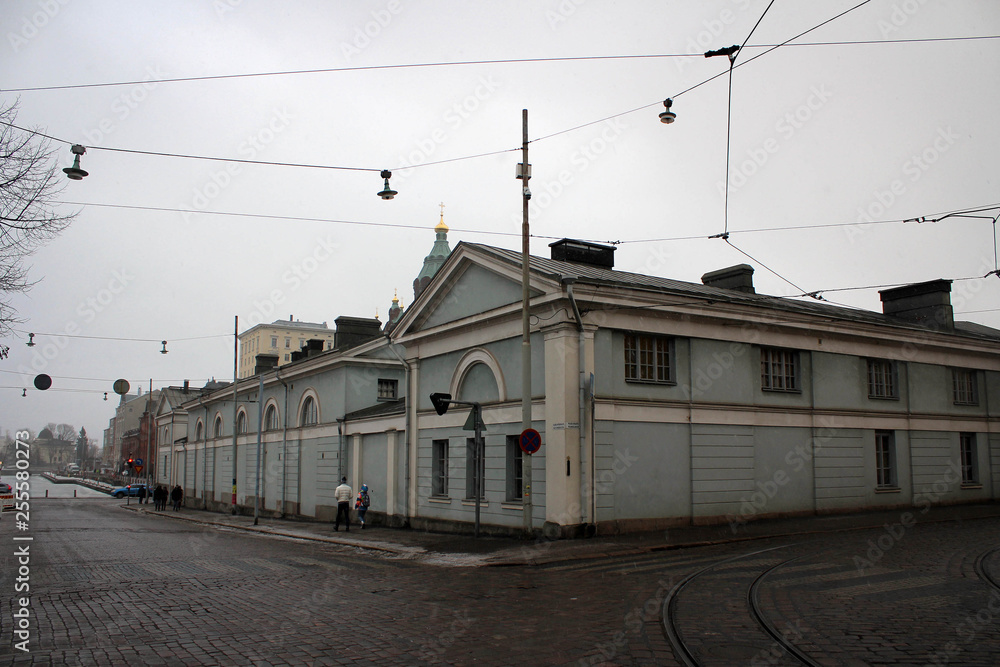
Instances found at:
x=885 y=460
x=471 y=462
x=387 y=388
x=515 y=458
x=274 y=341
x=439 y=468
x=965 y=386
x=288 y=343
x=648 y=358
x=779 y=369
x=286 y=357
x=882 y=379
x=970 y=458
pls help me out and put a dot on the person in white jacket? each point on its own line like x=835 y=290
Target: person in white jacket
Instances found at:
x=344 y=494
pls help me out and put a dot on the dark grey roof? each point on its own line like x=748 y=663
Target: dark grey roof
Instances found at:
x=611 y=278
x=382 y=409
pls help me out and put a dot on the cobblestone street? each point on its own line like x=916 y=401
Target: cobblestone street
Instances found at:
x=114 y=587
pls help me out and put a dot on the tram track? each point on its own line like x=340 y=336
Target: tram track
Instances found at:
x=983 y=572
x=763 y=640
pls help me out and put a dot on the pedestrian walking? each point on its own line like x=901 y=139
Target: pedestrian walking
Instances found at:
x=157 y=498
x=343 y=494
x=362 y=503
x=176 y=496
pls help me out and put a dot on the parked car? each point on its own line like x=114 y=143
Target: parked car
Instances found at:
x=131 y=490
x=5 y=488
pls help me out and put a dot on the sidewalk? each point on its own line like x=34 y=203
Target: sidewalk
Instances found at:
x=466 y=551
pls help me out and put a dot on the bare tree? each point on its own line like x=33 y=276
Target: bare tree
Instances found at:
x=29 y=184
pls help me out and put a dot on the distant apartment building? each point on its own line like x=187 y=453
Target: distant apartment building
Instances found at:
x=279 y=339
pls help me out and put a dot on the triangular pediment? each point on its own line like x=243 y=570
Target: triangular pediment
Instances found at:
x=470 y=283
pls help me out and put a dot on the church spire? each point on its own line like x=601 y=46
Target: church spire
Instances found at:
x=433 y=261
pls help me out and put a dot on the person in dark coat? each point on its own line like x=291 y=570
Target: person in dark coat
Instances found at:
x=176 y=496
x=142 y=493
x=159 y=498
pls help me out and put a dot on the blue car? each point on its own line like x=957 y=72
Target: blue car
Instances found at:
x=131 y=490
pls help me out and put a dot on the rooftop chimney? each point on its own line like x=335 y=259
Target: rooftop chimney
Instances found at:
x=584 y=252
x=353 y=331
x=738 y=278
x=264 y=363
x=927 y=304
x=187 y=385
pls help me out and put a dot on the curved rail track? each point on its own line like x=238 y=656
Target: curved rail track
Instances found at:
x=766 y=640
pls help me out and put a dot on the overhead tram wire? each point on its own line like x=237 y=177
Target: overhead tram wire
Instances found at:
x=702 y=83
x=465 y=63
x=697 y=237
x=497 y=152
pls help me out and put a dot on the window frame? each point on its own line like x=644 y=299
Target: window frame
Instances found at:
x=219 y=427
x=391 y=392
x=768 y=374
x=439 y=468
x=886 y=470
x=887 y=377
x=971 y=380
x=470 y=471
x=241 y=423
x=968 y=448
x=514 y=470
x=661 y=352
x=271 y=418
x=309 y=415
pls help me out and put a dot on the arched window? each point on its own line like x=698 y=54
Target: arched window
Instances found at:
x=309 y=412
x=199 y=430
x=271 y=419
x=241 y=422
x=218 y=427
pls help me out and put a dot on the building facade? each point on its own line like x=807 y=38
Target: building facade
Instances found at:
x=659 y=402
x=279 y=339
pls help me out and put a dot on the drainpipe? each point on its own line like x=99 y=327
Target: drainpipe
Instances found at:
x=341 y=424
x=568 y=282
x=284 y=443
x=410 y=405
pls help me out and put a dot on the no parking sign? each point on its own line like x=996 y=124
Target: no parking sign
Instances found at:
x=530 y=441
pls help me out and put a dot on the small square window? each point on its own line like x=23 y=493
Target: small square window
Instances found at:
x=388 y=389
x=965 y=386
x=882 y=382
x=779 y=370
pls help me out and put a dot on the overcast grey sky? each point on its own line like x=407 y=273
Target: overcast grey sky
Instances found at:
x=822 y=137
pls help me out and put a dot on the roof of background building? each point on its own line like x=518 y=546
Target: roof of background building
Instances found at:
x=613 y=278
